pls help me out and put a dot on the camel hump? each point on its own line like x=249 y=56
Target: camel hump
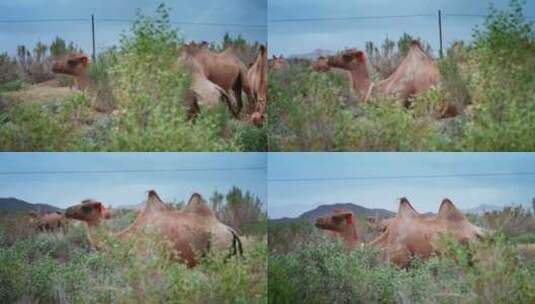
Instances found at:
x=154 y=202
x=406 y=209
x=448 y=211
x=197 y=205
x=262 y=49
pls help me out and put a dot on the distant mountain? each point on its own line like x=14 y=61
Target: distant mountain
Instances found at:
x=11 y=204
x=312 y=55
x=489 y=208
x=322 y=210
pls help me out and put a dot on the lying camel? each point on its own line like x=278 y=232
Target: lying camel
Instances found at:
x=225 y=70
x=257 y=79
x=341 y=224
x=76 y=65
x=190 y=233
x=411 y=234
x=408 y=233
x=321 y=65
x=416 y=73
x=378 y=225
x=278 y=63
x=48 y=222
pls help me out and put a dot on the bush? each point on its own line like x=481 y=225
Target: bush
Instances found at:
x=9 y=70
x=323 y=271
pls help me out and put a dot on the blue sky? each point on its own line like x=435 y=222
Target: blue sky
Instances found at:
x=127 y=188
x=107 y=33
x=293 y=198
x=303 y=37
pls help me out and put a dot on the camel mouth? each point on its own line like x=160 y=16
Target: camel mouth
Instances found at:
x=70 y=213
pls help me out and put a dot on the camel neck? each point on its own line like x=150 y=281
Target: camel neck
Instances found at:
x=82 y=81
x=360 y=80
x=350 y=235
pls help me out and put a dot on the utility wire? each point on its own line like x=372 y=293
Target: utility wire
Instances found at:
x=377 y=17
x=43 y=20
x=349 y=18
x=129 y=21
x=70 y=172
x=320 y=179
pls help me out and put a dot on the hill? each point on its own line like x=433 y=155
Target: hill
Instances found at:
x=11 y=204
x=321 y=210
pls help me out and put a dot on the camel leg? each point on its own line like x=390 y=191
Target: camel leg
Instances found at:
x=192 y=105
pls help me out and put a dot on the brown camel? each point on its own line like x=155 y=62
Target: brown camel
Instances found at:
x=278 y=63
x=341 y=224
x=416 y=73
x=76 y=65
x=257 y=79
x=48 y=222
x=225 y=70
x=189 y=233
x=202 y=92
x=321 y=64
x=409 y=233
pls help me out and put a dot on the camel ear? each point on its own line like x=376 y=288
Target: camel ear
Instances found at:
x=195 y=199
x=448 y=211
x=406 y=209
x=360 y=56
x=349 y=218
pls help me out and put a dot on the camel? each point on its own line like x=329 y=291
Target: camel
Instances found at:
x=378 y=225
x=321 y=64
x=416 y=73
x=48 y=222
x=189 y=233
x=409 y=233
x=76 y=65
x=257 y=79
x=341 y=224
x=202 y=92
x=225 y=70
x=278 y=63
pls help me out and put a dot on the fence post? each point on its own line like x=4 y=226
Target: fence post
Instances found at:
x=440 y=32
x=93 y=35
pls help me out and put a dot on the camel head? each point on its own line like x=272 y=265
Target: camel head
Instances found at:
x=457 y=224
x=278 y=63
x=337 y=222
x=350 y=59
x=321 y=65
x=74 y=64
x=89 y=211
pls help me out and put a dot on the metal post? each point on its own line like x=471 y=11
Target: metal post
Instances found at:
x=440 y=32
x=93 y=34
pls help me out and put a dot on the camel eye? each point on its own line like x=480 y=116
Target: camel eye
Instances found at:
x=86 y=209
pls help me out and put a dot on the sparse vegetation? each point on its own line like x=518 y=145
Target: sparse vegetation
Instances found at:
x=490 y=81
